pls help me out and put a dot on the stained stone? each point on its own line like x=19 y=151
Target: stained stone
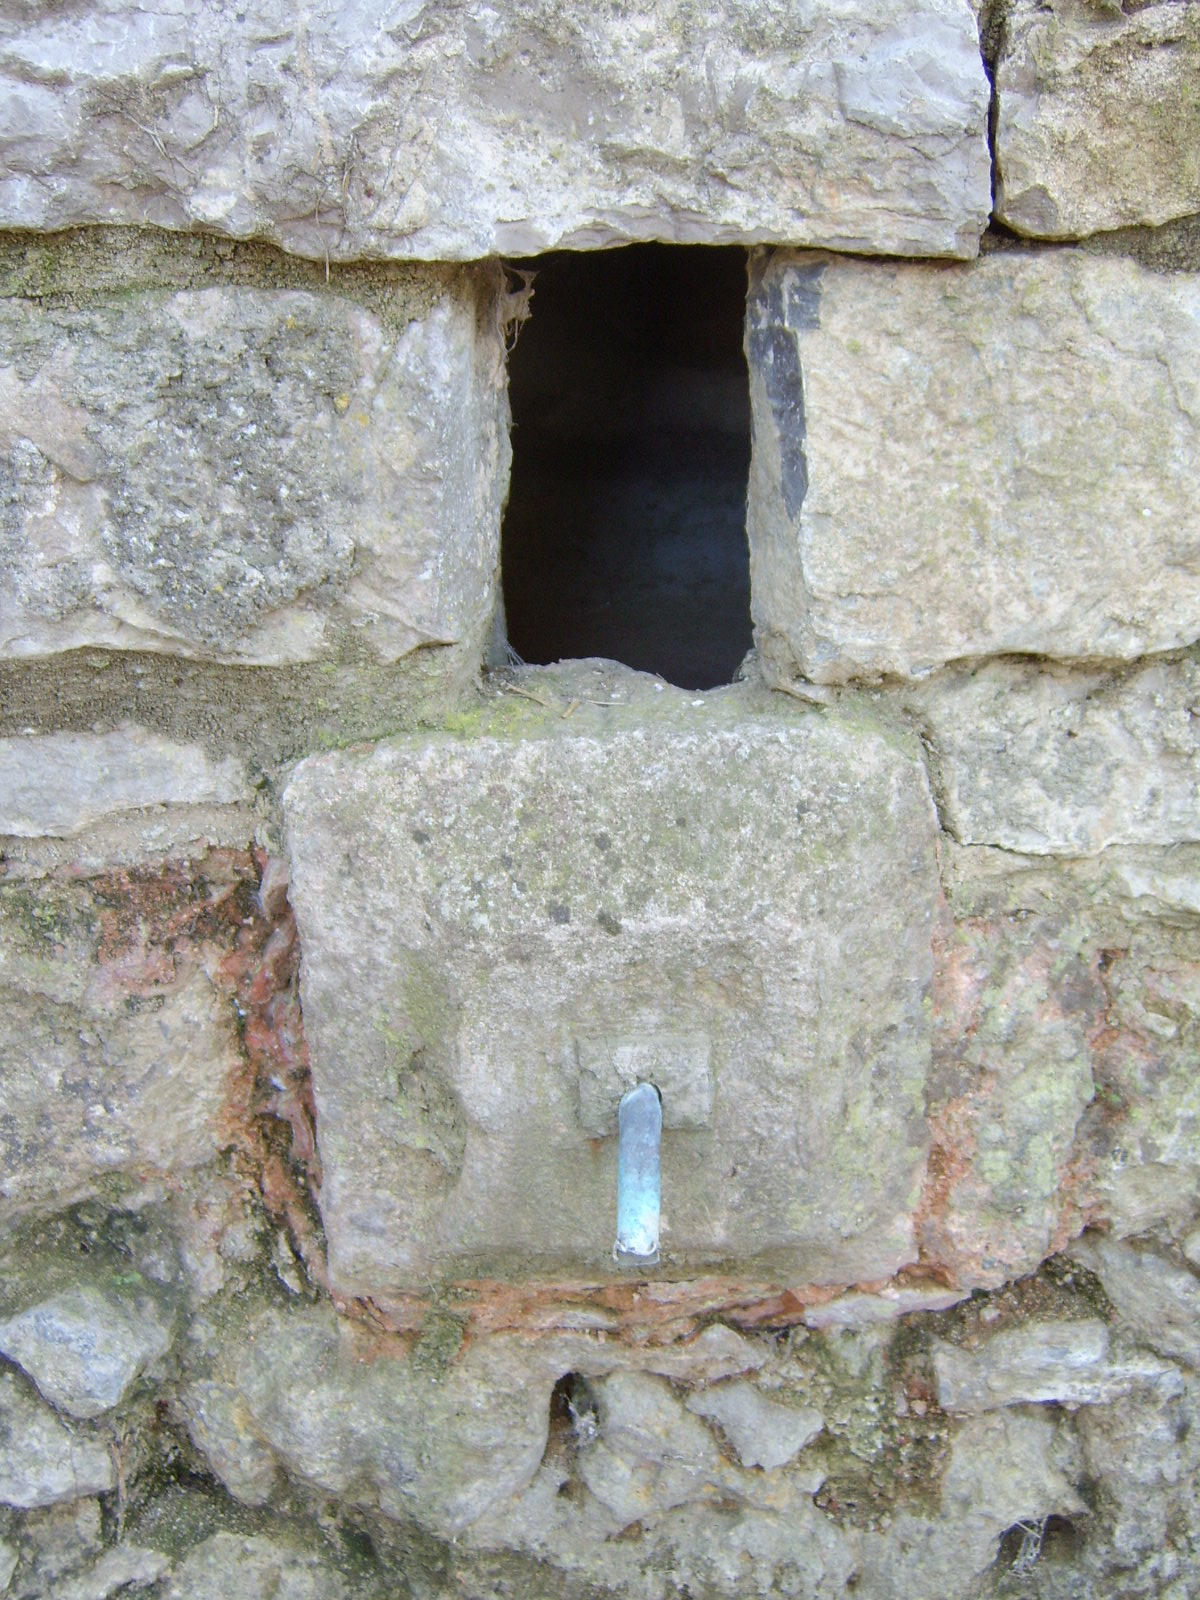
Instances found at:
x=768 y=883
x=998 y=459
x=1097 y=116
x=457 y=130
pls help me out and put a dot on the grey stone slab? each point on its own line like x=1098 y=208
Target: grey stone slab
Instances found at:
x=1097 y=116
x=998 y=459
x=1059 y=1363
x=85 y=1348
x=1057 y=763
x=251 y=475
x=763 y=1432
x=55 y=784
x=42 y=1462
x=457 y=130
x=474 y=904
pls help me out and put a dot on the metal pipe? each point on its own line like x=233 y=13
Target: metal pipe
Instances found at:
x=639 y=1194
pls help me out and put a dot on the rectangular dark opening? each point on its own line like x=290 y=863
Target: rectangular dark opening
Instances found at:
x=624 y=535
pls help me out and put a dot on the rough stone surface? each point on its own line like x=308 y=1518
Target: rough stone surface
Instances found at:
x=221 y=1427
x=252 y=475
x=440 y=1439
x=691 y=866
x=84 y=1348
x=1061 y=1363
x=458 y=131
x=253 y=1567
x=122 y=1570
x=906 y=457
x=41 y=1461
x=1059 y=763
x=1063 y=1087
x=1098 y=116
x=119 y=1043
x=1157 y=1300
x=763 y=1432
x=58 y=783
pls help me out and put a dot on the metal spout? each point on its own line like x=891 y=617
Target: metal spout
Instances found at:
x=639 y=1194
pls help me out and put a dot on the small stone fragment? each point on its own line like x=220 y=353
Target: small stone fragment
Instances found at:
x=650 y=1455
x=84 y=1348
x=763 y=1432
x=219 y=1424
x=123 y=1570
x=253 y=1567
x=41 y=1461
x=1064 y=1363
x=1158 y=1300
x=8 y=1564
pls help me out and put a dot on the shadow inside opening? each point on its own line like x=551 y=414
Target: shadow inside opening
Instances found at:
x=624 y=534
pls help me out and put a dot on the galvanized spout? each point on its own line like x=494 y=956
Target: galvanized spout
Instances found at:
x=639 y=1194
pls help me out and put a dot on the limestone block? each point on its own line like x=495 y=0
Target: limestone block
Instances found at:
x=459 y=130
x=84 y=1348
x=650 y=1454
x=56 y=784
x=663 y=866
x=1061 y=1363
x=999 y=458
x=41 y=1461
x=251 y=475
x=1098 y=116
x=763 y=1432
x=1047 y=762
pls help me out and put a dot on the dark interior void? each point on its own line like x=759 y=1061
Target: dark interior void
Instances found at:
x=625 y=529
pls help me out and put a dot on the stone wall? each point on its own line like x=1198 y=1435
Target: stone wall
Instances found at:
x=326 y=949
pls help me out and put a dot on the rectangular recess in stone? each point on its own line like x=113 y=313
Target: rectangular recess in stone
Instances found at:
x=251 y=475
x=474 y=904
x=458 y=129
x=948 y=463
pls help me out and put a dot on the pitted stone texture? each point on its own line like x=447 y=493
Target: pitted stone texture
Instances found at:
x=251 y=475
x=84 y=1348
x=763 y=1432
x=1098 y=116
x=118 y=1044
x=1057 y=763
x=55 y=784
x=457 y=130
x=998 y=459
x=1059 y=1363
x=470 y=908
x=1063 y=1087
x=42 y=1462
x=441 y=1442
x=1158 y=1301
x=253 y=1567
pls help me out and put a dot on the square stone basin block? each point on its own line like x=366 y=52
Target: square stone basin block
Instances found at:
x=506 y=923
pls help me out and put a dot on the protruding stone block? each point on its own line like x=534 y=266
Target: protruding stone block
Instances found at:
x=727 y=868
x=458 y=130
x=1098 y=116
x=996 y=459
x=252 y=475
